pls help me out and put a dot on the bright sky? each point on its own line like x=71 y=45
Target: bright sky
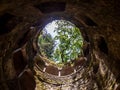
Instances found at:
x=50 y=28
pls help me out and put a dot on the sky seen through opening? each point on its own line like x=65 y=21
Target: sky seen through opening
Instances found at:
x=60 y=41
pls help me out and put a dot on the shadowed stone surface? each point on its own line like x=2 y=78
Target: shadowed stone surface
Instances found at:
x=50 y=7
x=100 y=26
x=67 y=70
x=52 y=70
x=18 y=61
x=27 y=79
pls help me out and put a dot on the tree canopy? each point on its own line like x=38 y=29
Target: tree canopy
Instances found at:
x=46 y=44
x=66 y=45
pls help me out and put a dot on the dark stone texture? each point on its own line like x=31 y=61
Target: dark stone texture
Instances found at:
x=4 y=23
x=67 y=70
x=27 y=81
x=52 y=70
x=102 y=45
x=100 y=19
x=89 y=21
x=79 y=62
x=49 y=7
x=19 y=62
x=13 y=84
x=40 y=63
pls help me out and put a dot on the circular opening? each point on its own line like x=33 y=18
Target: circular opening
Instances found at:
x=60 y=42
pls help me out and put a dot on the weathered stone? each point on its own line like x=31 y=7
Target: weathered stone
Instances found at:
x=79 y=62
x=52 y=70
x=18 y=61
x=67 y=70
x=27 y=81
x=99 y=24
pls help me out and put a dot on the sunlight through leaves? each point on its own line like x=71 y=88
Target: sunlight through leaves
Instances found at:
x=60 y=41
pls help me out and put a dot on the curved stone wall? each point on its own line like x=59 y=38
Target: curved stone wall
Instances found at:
x=22 y=69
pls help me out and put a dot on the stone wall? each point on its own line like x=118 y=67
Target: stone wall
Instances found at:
x=20 y=20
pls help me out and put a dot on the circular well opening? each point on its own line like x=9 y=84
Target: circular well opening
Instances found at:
x=60 y=42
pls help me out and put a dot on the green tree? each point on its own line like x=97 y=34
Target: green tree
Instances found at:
x=70 y=41
x=46 y=44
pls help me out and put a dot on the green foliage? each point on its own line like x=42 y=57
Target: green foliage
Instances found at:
x=46 y=44
x=69 y=45
x=70 y=39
